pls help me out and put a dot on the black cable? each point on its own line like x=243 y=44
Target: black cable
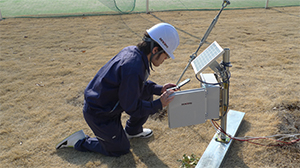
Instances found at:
x=228 y=74
x=207 y=82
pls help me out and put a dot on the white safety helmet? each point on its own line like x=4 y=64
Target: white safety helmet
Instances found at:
x=166 y=36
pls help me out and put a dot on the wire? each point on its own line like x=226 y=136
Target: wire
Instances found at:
x=228 y=74
x=207 y=82
x=220 y=83
x=279 y=142
x=226 y=111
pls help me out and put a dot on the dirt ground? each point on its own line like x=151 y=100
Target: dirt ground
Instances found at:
x=46 y=63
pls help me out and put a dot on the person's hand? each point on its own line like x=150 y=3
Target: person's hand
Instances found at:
x=165 y=98
x=166 y=86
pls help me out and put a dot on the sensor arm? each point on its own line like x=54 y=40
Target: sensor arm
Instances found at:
x=203 y=40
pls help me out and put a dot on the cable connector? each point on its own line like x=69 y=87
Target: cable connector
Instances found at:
x=219 y=138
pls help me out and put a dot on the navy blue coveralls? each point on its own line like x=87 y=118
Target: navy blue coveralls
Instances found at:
x=120 y=85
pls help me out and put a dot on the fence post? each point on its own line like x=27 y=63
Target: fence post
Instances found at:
x=147 y=6
x=267 y=4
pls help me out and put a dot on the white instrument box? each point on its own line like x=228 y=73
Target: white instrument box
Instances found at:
x=195 y=106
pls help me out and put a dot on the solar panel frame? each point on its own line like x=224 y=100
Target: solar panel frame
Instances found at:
x=208 y=56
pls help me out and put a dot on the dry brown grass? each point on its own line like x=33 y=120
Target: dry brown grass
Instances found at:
x=46 y=63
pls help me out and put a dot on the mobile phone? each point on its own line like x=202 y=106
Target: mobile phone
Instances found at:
x=180 y=84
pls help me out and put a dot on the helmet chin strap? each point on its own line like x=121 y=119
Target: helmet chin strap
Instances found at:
x=151 y=57
x=147 y=39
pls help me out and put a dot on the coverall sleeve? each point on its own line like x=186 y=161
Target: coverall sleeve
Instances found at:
x=129 y=96
x=152 y=88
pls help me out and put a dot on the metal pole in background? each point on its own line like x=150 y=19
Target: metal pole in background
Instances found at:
x=267 y=4
x=225 y=94
x=147 y=6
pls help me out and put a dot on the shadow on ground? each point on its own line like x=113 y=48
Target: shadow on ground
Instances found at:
x=232 y=159
x=140 y=154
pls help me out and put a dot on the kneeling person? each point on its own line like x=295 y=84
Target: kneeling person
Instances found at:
x=122 y=85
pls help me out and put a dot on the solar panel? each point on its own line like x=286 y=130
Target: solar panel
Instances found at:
x=208 y=56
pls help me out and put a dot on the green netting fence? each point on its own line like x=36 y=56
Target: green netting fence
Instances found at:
x=55 y=8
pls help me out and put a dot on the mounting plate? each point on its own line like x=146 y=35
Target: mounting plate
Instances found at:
x=216 y=151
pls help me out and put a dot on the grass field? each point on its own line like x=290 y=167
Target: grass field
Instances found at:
x=45 y=8
x=46 y=63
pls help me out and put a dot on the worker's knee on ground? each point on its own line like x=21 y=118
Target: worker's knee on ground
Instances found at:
x=120 y=151
x=117 y=147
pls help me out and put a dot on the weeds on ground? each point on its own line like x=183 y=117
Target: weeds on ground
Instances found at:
x=188 y=161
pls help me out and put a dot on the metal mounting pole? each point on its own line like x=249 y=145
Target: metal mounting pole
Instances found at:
x=230 y=122
x=221 y=137
x=225 y=94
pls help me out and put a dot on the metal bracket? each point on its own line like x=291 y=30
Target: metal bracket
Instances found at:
x=216 y=151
